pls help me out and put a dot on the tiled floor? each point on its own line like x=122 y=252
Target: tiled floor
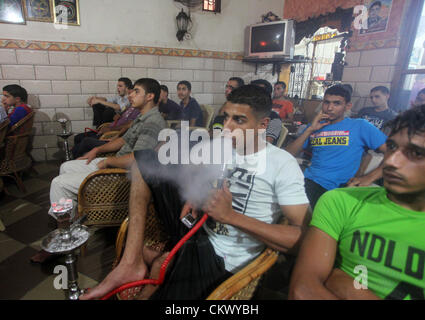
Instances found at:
x=27 y=223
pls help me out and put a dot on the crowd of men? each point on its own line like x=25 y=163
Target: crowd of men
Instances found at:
x=342 y=212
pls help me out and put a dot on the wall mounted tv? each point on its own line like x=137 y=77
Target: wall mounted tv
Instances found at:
x=270 y=40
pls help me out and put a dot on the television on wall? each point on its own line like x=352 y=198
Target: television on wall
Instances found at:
x=270 y=40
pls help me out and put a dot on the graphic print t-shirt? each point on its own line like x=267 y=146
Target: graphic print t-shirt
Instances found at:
x=378 y=119
x=384 y=239
x=259 y=186
x=338 y=149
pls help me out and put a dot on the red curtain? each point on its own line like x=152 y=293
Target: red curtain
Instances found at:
x=301 y=10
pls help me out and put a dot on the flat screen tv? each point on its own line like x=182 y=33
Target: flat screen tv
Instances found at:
x=269 y=40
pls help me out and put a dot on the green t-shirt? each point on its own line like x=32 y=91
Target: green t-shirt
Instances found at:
x=375 y=233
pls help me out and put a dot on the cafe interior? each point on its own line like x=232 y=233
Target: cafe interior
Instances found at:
x=64 y=52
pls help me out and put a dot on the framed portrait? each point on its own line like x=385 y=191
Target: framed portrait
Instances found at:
x=67 y=12
x=38 y=10
x=378 y=16
x=12 y=11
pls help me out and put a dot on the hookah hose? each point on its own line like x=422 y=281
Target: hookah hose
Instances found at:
x=164 y=265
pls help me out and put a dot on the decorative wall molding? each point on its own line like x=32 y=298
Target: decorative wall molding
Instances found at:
x=373 y=44
x=104 y=48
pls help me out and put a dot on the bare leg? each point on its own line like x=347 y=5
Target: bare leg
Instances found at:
x=132 y=266
x=149 y=290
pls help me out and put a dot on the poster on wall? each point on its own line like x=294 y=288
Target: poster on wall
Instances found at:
x=11 y=11
x=38 y=10
x=67 y=12
x=378 y=15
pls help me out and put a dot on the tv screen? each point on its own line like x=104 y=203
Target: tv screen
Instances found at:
x=267 y=38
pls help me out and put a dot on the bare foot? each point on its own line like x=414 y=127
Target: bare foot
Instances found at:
x=148 y=290
x=121 y=275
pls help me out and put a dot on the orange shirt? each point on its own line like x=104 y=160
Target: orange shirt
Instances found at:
x=283 y=108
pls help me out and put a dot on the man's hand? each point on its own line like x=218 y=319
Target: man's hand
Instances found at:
x=102 y=164
x=89 y=156
x=219 y=205
x=362 y=181
x=317 y=124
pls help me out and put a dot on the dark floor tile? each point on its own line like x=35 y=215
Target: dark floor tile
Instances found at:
x=18 y=275
x=99 y=254
x=41 y=198
x=32 y=228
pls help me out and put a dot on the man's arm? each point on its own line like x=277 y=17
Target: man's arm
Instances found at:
x=295 y=147
x=314 y=264
x=372 y=176
x=123 y=162
x=106 y=103
x=280 y=237
x=111 y=146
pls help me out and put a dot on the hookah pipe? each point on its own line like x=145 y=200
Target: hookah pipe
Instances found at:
x=167 y=260
x=164 y=265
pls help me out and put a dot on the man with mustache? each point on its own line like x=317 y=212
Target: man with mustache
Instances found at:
x=337 y=144
x=367 y=243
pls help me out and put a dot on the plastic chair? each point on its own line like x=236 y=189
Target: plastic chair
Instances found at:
x=282 y=136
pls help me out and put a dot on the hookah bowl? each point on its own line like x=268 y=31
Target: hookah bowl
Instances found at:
x=65 y=240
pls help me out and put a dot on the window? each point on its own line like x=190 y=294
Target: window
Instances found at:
x=411 y=78
x=212 y=5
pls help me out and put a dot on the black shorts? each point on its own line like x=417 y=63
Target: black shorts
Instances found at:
x=196 y=270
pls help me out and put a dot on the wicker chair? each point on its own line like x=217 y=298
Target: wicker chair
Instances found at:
x=103 y=197
x=23 y=126
x=241 y=286
x=15 y=158
x=4 y=126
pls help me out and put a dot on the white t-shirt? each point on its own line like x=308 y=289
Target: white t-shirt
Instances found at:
x=123 y=102
x=268 y=179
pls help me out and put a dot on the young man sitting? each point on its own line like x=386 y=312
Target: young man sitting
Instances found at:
x=84 y=142
x=379 y=113
x=143 y=134
x=281 y=105
x=14 y=101
x=242 y=216
x=168 y=108
x=337 y=145
x=191 y=111
x=368 y=243
x=104 y=110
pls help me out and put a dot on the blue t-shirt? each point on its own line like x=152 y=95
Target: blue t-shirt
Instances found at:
x=192 y=111
x=338 y=149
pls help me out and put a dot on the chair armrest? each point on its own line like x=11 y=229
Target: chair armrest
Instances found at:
x=109 y=135
x=244 y=277
x=103 y=196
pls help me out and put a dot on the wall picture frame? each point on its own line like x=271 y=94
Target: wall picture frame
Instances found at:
x=67 y=12
x=39 y=10
x=12 y=11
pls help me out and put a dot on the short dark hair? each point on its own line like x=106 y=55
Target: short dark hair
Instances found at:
x=348 y=87
x=422 y=91
x=262 y=82
x=382 y=89
x=238 y=80
x=376 y=3
x=412 y=119
x=339 y=90
x=281 y=83
x=128 y=83
x=255 y=96
x=186 y=83
x=164 y=88
x=150 y=86
x=16 y=91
